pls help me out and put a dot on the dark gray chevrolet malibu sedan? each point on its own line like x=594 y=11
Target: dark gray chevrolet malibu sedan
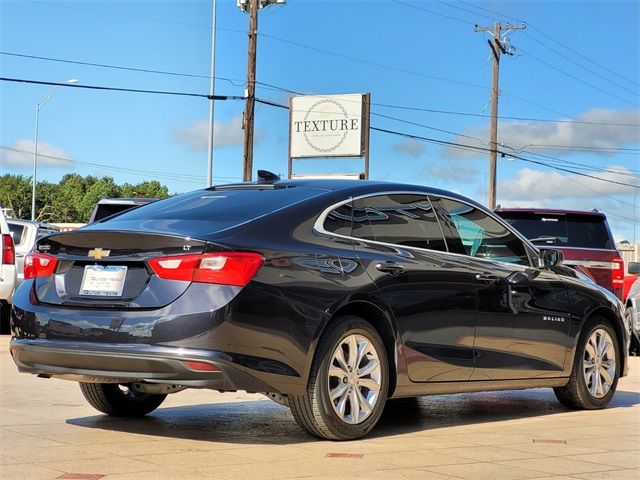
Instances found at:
x=330 y=296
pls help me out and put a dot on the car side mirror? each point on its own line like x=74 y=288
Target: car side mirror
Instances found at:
x=634 y=268
x=550 y=257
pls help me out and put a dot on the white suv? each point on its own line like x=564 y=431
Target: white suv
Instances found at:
x=7 y=272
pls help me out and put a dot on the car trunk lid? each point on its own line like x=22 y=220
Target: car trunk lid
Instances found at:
x=109 y=269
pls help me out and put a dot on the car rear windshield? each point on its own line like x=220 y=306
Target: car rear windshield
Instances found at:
x=220 y=209
x=581 y=231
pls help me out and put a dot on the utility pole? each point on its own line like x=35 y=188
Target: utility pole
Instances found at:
x=251 y=7
x=498 y=45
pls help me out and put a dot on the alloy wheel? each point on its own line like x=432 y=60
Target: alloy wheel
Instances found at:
x=355 y=379
x=599 y=363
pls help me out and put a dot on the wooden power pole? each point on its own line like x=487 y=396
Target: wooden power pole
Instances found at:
x=497 y=48
x=252 y=8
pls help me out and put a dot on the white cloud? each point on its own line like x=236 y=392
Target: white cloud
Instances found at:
x=22 y=155
x=531 y=134
x=534 y=186
x=458 y=173
x=225 y=134
x=409 y=147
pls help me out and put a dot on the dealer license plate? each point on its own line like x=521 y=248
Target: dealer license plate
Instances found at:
x=103 y=281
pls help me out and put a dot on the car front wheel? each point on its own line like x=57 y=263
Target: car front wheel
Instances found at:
x=348 y=382
x=596 y=368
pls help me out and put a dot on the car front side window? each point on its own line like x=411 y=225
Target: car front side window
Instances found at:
x=472 y=232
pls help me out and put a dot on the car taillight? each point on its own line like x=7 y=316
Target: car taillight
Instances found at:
x=225 y=268
x=8 y=250
x=617 y=276
x=38 y=265
x=617 y=272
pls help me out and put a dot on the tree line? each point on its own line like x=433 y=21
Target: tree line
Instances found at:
x=72 y=199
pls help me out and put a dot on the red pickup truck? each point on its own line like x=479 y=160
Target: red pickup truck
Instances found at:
x=583 y=236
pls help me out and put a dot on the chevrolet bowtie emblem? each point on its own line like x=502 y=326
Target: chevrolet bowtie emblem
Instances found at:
x=98 y=253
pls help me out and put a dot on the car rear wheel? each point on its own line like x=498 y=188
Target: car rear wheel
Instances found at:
x=119 y=400
x=348 y=382
x=596 y=368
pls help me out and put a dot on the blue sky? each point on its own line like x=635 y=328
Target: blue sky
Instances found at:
x=577 y=60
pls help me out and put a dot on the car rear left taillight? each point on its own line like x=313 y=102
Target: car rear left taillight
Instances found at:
x=8 y=250
x=617 y=275
x=224 y=268
x=38 y=265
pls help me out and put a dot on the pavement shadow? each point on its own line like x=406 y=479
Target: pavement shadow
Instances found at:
x=264 y=422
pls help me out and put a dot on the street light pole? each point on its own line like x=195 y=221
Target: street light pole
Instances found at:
x=39 y=106
x=211 y=93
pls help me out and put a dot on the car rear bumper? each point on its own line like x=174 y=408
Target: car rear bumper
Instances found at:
x=126 y=363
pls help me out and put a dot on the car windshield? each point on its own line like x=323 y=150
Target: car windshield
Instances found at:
x=582 y=231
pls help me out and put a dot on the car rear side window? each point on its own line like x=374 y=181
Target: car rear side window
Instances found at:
x=398 y=219
x=472 y=232
x=338 y=221
x=18 y=233
x=582 y=231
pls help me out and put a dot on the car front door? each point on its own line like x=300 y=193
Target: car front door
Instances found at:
x=431 y=293
x=523 y=321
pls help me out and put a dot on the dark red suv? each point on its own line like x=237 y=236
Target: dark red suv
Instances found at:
x=583 y=236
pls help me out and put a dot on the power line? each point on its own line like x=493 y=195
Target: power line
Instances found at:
x=239 y=83
x=455 y=19
x=558 y=42
x=234 y=82
x=560 y=54
x=116 y=89
x=472 y=148
x=578 y=79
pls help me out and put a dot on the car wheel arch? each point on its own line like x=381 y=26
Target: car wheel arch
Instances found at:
x=613 y=320
x=381 y=321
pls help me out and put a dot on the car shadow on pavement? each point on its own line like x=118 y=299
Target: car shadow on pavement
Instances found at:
x=264 y=422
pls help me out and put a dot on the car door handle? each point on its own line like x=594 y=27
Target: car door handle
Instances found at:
x=390 y=267
x=487 y=278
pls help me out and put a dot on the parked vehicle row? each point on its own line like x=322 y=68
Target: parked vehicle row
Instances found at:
x=329 y=296
x=8 y=275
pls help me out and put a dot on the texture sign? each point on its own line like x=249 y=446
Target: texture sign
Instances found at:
x=326 y=126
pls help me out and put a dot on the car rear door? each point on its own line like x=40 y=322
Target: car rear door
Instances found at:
x=523 y=320
x=431 y=293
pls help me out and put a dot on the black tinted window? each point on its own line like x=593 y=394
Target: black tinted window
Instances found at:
x=17 y=233
x=339 y=220
x=472 y=232
x=403 y=219
x=586 y=231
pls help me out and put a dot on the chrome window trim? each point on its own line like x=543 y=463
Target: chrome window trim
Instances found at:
x=318 y=226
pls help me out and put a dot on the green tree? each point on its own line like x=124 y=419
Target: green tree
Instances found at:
x=70 y=200
x=15 y=194
x=148 y=188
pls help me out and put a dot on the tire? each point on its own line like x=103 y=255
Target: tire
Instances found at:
x=112 y=399
x=336 y=419
x=593 y=364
